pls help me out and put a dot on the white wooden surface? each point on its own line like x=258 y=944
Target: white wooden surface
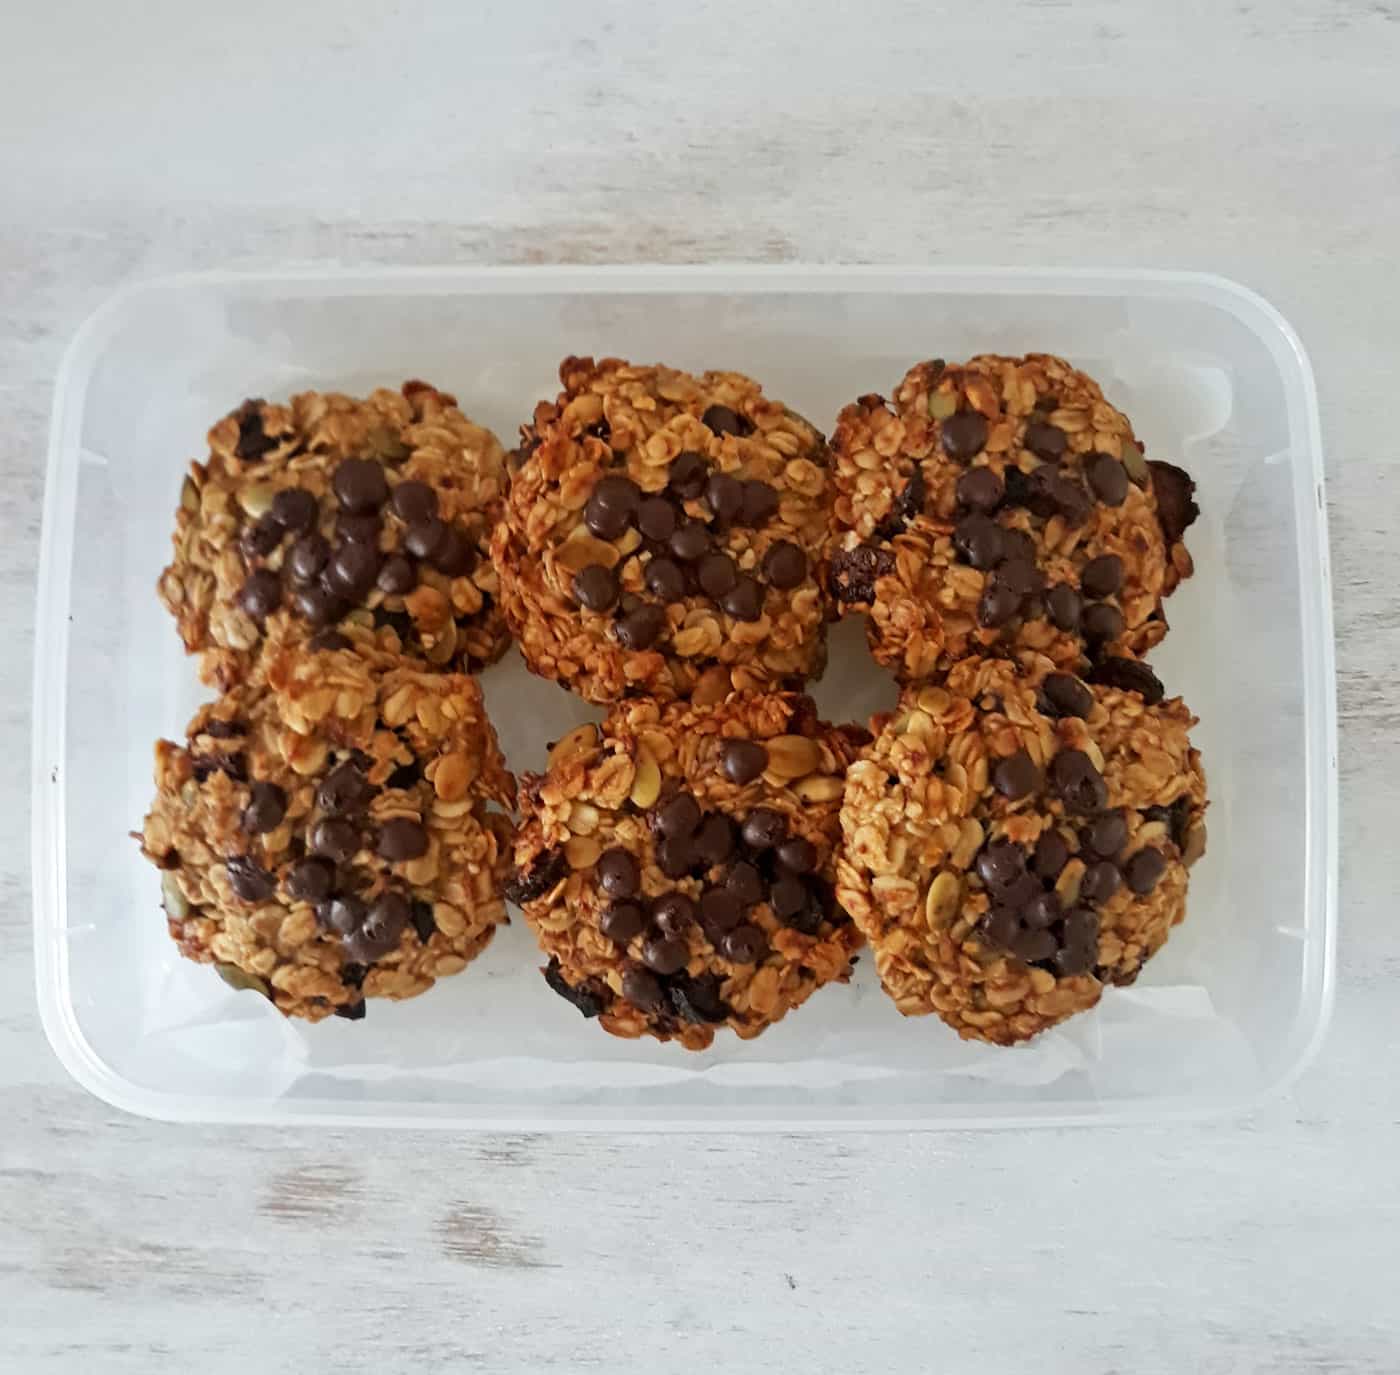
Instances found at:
x=1257 y=139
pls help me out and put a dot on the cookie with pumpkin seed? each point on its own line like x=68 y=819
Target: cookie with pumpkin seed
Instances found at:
x=664 y=536
x=675 y=865
x=1003 y=504
x=1016 y=840
x=335 y=833
x=331 y=514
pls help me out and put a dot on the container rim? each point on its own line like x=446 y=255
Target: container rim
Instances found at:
x=51 y=653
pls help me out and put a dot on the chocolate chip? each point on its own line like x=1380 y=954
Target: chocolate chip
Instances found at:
x=1067 y=696
x=1071 y=500
x=1128 y=675
x=642 y=989
x=720 y=911
x=1077 y=783
x=723 y=420
x=1045 y=440
x=352 y=1012
x=341 y=914
x=261 y=594
x=359 y=529
x=537 y=878
x=665 y=579
x=1041 y=911
x=656 y=519
x=352 y=569
x=1079 y=942
x=335 y=838
x=415 y=503
x=1144 y=869
x=744 y=601
x=1102 y=576
x=423 y=538
x=613 y=506
x=716 y=575
x=1016 y=776
x=595 y=587
x=310 y=880
x=1030 y=945
x=855 y=571
x=697 y=999
x=381 y=928
x=784 y=565
x=1106 y=835
x=353 y=975
x=1021 y=890
x=760 y=503
x=1064 y=605
x=675 y=855
x=360 y=485
x=665 y=954
x=997 y=605
x=307 y=557
x=253 y=443
x=964 y=434
x=1001 y=864
x=1021 y=576
x=424 y=923
x=344 y=789
x=690 y=542
x=679 y=815
x=744 y=945
x=1102 y=622
x=405 y=775
x=764 y=828
x=396 y=576
x=787 y=897
x=454 y=555
x=724 y=496
x=326 y=640
x=592 y=997
x=980 y=489
x=714 y=842
x=1000 y=927
x=402 y=838
x=1100 y=882
x=977 y=539
x=1175 y=492
x=248 y=879
x=234 y=765
x=745 y=882
x=672 y=913
x=318 y=604
x=797 y=855
x=622 y=921
x=261 y=538
x=618 y=873
x=267 y=805
x=641 y=628
x=743 y=760
x=687 y=473
x=1108 y=477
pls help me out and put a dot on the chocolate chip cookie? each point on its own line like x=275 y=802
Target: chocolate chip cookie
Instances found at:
x=1017 y=838
x=1003 y=503
x=331 y=512
x=334 y=834
x=664 y=536
x=675 y=864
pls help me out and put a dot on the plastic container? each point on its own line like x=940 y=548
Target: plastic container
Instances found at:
x=1213 y=378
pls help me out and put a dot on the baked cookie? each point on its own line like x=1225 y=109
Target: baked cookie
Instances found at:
x=1003 y=503
x=664 y=536
x=331 y=510
x=675 y=864
x=334 y=836
x=1016 y=839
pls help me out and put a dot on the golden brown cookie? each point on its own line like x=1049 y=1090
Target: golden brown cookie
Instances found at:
x=1016 y=839
x=664 y=536
x=675 y=864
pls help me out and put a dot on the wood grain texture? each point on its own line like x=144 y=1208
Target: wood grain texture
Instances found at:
x=1259 y=140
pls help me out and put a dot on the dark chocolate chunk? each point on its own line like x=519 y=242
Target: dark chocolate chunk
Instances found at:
x=714 y=842
x=619 y=875
x=1077 y=783
x=1045 y=440
x=1051 y=855
x=1100 y=882
x=743 y=760
x=261 y=538
x=261 y=594
x=664 y=579
x=1064 y=605
x=997 y=605
x=797 y=855
x=402 y=838
x=725 y=496
x=360 y=485
x=248 y=879
x=760 y=503
x=980 y=489
x=656 y=519
x=642 y=989
x=344 y=789
x=641 y=628
x=335 y=839
x=352 y=569
x=679 y=815
x=720 y=911
x=267 y=805
x=665 y=954
x=396 y=576
x=744 y=601
x=1144 y=869
x=745 y=882
x=723 y=420
x=1016 y=776
x=716 y=575
x=785 y=565
x=310 y=880
x=691 y=542
x=687 y=473
x=764 y=828
x=672 y=913
x=596 y=587
x=414 y=502
x=307 y=557
x=1108 y=477
x=964 y=434
x=1102 y=622
x=977 y=539
x=1106 y=835
x=745 y=944
x=1067 y=696
x=1102 y=576
x=697 y=999
x=1001 y=864
x=622 y=921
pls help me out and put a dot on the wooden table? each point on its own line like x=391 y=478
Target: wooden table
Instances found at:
x=1258 y=140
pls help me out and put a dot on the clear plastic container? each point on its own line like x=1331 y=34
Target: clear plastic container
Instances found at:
x=1213 y=378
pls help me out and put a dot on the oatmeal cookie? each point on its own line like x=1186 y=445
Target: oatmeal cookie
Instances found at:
x=664 y=536
x=331 y=510
x=1003 y=503
x=1017 y=838
x=333 y=835
x=675 y=865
